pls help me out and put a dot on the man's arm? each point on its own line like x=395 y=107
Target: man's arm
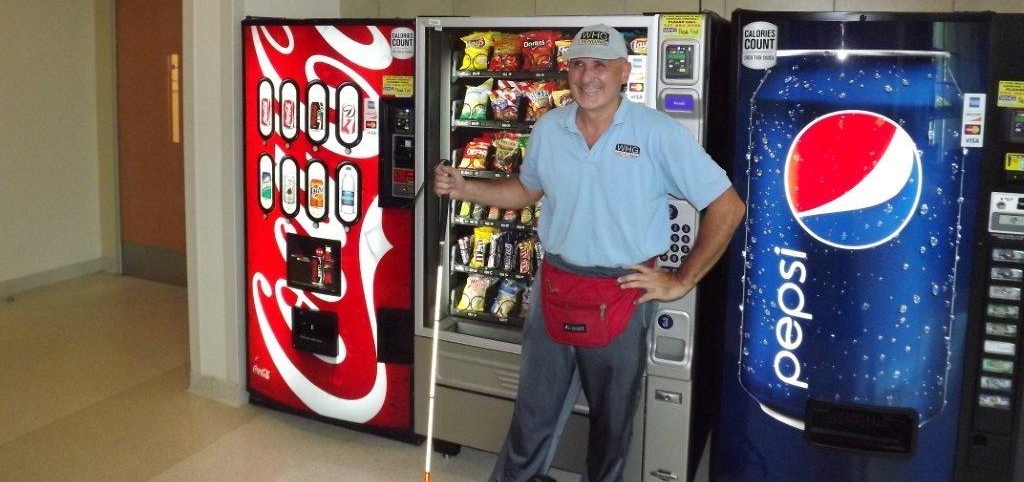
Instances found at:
x=720 y=220
x=507 y=193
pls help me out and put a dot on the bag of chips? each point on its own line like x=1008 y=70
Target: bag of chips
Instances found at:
x=506 y=152
x=505 y=303
x=474 y=107
x=561 y=45
x=539 y=100
x=506 y=52
x=474 y=155
x=478 y=45
x=561 y=97
x=475 y=292
x=539 y=50
x=505 y=101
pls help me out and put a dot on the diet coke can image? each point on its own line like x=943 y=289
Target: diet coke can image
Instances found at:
x=854 y=200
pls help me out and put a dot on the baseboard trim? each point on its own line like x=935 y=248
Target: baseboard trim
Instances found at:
x=56 y=275
x=154 y=263
x=225 y=392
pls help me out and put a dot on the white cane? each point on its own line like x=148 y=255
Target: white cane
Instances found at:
x=433 y=377
x=433 y=349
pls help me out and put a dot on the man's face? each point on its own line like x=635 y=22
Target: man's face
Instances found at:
x=595 y=83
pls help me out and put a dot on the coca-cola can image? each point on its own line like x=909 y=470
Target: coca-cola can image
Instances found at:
x=853 y=231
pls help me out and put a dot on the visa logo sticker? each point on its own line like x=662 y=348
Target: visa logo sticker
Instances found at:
x=972 y=124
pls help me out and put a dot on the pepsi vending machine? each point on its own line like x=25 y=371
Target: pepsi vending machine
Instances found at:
x=868 y=148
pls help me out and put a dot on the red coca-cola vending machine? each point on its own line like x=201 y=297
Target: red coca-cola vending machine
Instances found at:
x=329 y=173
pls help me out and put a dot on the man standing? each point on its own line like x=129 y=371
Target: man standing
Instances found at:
x=604 y=167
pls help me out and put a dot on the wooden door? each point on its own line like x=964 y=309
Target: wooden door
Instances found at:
x=150 y=153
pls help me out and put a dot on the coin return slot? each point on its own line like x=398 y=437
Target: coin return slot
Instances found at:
x=668 y=348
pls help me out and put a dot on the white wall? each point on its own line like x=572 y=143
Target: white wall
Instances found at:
x=50 y=213
x=213 y=167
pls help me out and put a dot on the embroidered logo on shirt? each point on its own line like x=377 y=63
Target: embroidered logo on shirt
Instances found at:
x=626 y=150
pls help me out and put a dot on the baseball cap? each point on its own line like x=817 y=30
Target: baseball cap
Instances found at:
x=597 y=41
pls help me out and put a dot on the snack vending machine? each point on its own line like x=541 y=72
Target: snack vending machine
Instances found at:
x=489 y=79
x=329 y=175
x=873 y=313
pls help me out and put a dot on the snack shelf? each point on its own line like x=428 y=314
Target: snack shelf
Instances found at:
x=513 y=320
x=490 y=222
x=477 y=173
x=516 y=75
x=461 y=268
x=493 y=124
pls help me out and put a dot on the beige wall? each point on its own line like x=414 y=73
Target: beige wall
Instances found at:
x=56 y=109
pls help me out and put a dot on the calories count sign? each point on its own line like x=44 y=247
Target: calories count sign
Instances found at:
x=759 y=45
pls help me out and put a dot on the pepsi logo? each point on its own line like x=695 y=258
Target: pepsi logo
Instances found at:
x=853 y=179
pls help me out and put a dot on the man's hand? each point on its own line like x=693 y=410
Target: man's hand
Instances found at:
x=448 y=181
x=657 y=284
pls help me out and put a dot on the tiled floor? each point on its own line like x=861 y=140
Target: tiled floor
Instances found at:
x=93 y=387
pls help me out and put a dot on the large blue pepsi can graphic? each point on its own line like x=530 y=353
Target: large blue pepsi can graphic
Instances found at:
x=853 y=233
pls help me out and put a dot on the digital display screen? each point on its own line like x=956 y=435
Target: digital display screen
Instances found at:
x=678 y=61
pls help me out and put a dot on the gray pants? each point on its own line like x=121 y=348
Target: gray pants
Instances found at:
x=551 y=377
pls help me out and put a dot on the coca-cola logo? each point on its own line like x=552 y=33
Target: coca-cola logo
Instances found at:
x=263 y=373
